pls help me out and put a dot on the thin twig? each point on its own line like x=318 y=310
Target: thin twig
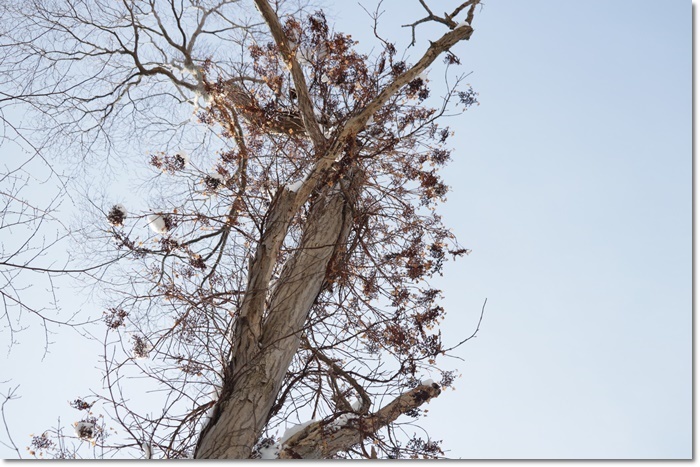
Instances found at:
x=481 y=317
x=10 y=396
x=447 y=20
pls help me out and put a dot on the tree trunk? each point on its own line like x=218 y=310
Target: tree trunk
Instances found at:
x=265 y=349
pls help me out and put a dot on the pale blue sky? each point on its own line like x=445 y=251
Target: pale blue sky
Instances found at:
x=571 y=183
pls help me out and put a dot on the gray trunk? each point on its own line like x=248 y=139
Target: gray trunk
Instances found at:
x=259 y=368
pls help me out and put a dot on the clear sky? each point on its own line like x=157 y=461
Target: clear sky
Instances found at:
x=571 y=183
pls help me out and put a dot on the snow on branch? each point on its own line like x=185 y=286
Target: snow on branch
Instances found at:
x=325 y=438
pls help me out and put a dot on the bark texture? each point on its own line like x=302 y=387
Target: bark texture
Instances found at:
x=265 y=348
x=325 y=438
x=289 y=56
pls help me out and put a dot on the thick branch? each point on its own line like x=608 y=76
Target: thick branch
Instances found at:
x=261 y=361
x=324 y=439
x=358 y=122
x=305 y=105
x=248 y=331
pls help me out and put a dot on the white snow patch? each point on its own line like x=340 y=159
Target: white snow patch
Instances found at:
x=370 y=121
x=270 y=452
x=85 y=430
x=201 y=100
x=304 y=55
x=146 y=449
x=342 y=420
x=295 y=186
x=427 y=382
x=294 y=429
x=207 y=416
x=195 y=110
x=307 y=55
x=328 y=132
x=121 y=208
x=137 y=356
x=215 y=393
x=325 y=78
x=191 y=70
x=356 y=404
x=184 y=156
x=176 y=65
x=321 y=51
x=462 y=24
x=306 y=174
x=157 y=223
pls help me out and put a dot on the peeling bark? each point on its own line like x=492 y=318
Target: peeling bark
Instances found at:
x=323 y=439
x=265 y=350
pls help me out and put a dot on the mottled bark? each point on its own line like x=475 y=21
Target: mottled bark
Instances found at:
x=264 y=350
x=325 y=438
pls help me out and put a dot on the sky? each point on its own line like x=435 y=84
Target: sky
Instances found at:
x=571 y=184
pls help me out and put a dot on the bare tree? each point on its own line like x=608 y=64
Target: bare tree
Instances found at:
x=285 y=277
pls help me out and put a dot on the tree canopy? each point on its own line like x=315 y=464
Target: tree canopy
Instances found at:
x=293 y=183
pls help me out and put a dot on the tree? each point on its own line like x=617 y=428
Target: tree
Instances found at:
x=290 y=279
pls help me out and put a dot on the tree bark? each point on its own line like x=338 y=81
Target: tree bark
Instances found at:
x=325 y=438
x=265 y=349
x=288 y=55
